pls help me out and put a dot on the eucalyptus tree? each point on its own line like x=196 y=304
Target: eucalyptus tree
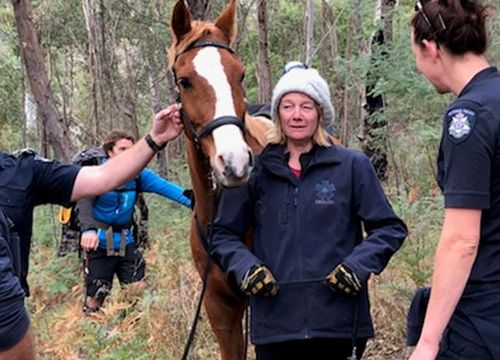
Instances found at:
x=54 y=131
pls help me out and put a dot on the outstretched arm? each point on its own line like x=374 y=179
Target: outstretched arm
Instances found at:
x=152 y=182
x=95 y=180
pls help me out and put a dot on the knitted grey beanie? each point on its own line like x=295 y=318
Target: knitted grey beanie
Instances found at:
x=309 y=82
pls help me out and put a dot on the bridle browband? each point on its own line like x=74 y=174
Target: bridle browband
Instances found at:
x=192 y=134
x=205 y=43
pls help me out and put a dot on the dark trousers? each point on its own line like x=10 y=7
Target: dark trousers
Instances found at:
x=454 y=346
x=311 y=349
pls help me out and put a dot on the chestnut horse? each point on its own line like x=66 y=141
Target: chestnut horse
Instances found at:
x=222 y=140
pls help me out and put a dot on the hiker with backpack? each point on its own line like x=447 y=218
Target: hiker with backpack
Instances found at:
x=26 y=181
x=107 y=227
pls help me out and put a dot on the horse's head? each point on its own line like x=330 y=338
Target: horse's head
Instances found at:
x=209 y=77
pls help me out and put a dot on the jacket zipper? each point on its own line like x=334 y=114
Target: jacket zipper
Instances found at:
x=297 y=234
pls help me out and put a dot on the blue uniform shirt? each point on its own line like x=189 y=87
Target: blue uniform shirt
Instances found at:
x=469 y=164
x=28 y=181
x=469 y=176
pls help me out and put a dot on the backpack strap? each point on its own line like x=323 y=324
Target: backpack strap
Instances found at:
x=110 y=244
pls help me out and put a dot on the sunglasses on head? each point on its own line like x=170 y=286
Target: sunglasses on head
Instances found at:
x=294 y=65
x=420 y=7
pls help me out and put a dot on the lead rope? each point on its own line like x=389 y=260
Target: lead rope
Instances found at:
x=208 y=241
x=245 y=339
x=354 y=355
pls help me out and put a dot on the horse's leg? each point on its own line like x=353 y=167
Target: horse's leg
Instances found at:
x=23 y=350
x=225 y=312
x=223 y=306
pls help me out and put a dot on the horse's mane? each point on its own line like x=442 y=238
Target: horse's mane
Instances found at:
x=199 y=29
x=259 y=127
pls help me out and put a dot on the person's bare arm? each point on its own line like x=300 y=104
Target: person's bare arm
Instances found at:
x=455 y=255
x=96 y=180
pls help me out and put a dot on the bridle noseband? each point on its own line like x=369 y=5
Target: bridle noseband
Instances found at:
x=192 y=134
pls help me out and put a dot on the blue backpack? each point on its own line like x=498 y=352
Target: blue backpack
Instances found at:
x=68 y=217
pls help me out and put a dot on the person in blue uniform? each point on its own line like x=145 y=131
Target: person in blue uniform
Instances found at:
x=308 y=203
x=27 y=181
x=449 y=41
x=107 y=227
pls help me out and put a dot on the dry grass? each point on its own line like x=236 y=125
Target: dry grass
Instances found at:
x=154 y=323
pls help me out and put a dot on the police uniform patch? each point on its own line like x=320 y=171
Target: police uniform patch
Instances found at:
x=460 y=124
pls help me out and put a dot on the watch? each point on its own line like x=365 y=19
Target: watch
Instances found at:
x=153 y=145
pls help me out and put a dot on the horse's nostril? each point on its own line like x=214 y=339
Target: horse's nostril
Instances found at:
x=220 y=160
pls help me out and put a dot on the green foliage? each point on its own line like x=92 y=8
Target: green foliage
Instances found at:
x=424 y=219
x=10 y=82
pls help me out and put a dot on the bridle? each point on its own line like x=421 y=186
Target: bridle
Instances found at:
x=196 y=136
x=192 y=134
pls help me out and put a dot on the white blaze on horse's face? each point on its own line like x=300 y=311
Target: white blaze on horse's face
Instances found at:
x=232 y=162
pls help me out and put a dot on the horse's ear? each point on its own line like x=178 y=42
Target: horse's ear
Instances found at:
x=227 y=21
x=181 y=20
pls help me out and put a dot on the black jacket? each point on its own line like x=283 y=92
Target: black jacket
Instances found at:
x=302 y=228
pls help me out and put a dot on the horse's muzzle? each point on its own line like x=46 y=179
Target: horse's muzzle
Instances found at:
x=234 y=173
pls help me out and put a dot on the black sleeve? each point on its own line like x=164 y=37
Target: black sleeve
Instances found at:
x=53 y=182
x=228 y=231
x=385 y=231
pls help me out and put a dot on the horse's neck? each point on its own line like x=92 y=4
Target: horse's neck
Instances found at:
x=201 y=181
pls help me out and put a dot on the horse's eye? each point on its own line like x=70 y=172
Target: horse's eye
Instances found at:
x=184 y=83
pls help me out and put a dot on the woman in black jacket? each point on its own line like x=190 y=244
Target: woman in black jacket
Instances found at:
x=320 y=221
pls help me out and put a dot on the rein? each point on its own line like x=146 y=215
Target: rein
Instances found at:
x=193 y=134
x=206 y=240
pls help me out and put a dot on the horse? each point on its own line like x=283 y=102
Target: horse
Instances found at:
x=222 y=140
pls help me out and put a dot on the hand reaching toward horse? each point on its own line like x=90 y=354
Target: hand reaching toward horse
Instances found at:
x=259 y=281
x=167 y=125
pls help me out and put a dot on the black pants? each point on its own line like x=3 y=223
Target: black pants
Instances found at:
x=101 y=268
x=311 y=349
x=454 y=346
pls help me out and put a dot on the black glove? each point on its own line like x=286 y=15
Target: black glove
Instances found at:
x=259 y=281
x=190 y=195
x=344 y=280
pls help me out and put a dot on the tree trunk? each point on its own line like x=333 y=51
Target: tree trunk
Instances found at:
x=263 y=66
x=328 y=53
x=374 y=128
x=129 y=107
x=309 y=31
x=199 y=9
x=105 y=101
x=32 y=56
x=24 y=110
x=94 y=67
x=161 y=160
x=345 y=130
